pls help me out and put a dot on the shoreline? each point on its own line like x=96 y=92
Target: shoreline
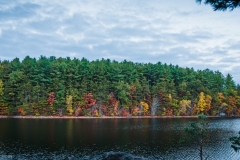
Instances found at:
x=108 y=117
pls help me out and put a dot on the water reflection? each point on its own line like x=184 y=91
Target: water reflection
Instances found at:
x=88 y=138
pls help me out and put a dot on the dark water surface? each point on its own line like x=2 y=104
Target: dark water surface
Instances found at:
x=145 y=138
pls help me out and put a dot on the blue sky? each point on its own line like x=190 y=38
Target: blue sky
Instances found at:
x=178 y=32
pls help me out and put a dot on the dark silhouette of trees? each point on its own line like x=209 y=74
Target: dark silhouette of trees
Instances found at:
x=221 y=5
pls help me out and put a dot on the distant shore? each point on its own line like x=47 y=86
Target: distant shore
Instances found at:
x=107 y=117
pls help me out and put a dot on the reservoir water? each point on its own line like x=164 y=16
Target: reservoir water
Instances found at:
x=128 y=138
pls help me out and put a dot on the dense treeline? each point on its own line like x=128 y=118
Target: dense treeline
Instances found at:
x=53 y=86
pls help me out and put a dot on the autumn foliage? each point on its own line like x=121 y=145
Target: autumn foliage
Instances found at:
x=21 y=111
x=51 y=99
x=95 y=113
x=112 y=99
x=89 y=100
x=113 y=105
x=135 y=111
x=145 y=108
x=125 y=112
x=69 y=105
x=109 y=88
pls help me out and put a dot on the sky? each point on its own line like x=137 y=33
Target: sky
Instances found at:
x=181 y=33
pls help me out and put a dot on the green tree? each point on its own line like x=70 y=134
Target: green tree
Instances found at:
x=229 y=86
x=235 y=140
x=27 y=83
x=122 y=93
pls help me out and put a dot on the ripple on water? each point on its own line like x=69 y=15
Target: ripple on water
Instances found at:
x=155 y=139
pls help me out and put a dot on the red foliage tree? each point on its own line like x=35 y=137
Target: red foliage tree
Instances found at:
x=113 y=100
x=51 y=99
x=125 y=112
x=112 y=108
x=169 y=112
x=89 y=100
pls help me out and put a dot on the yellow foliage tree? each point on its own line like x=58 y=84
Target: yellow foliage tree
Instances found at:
x=220 y=98
x=170 y=98
x=238 y=104
x=145 y=108
x=1 y=89
x=201 y=105
x=69 y=105
x=115 y=108
x=183 y=105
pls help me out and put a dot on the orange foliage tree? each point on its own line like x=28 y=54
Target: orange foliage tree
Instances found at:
x=208 y=100
x=135 y=111
x=231 y=105
x=21 y=111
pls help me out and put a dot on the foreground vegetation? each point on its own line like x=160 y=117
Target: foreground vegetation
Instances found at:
x=56 y=86
x=196 y=135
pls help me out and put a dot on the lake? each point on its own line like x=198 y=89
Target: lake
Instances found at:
x=125 y=138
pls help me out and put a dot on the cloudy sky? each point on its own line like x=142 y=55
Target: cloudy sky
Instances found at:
x=178 y=32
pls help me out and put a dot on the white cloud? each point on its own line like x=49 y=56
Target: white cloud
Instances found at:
x=182 y=33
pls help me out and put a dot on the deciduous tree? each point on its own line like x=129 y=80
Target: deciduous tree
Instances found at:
x=89 y=100
x=145 y=108
x=201 y=105
x=69 y=104
x=183 y=106
x=50 y=101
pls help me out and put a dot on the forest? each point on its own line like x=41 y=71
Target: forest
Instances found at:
x=74 y=87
